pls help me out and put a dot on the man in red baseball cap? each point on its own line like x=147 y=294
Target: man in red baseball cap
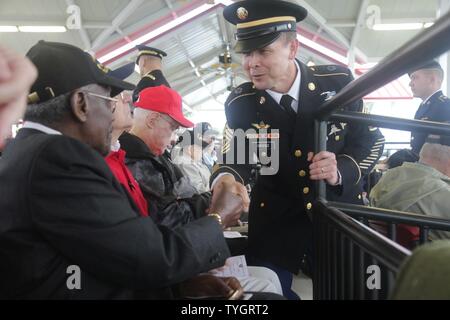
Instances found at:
x=163 y=100
x=157 y=115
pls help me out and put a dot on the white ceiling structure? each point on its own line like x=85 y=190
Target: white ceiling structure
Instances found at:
x=194 y=33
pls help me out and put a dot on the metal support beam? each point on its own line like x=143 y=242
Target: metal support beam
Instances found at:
x=425 y=46
x=83 y=34
x=356 y=32
x=344 y=23
x=186 y=53
x=24 y=21
x=117 y=21
x=321 y=21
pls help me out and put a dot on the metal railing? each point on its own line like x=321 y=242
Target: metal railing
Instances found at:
x=346 y=254
x=393 y=218
x=344 y=248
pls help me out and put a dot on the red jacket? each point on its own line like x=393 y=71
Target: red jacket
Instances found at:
x=116 y=162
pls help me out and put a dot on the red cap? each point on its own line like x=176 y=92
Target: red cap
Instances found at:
x=163 y=100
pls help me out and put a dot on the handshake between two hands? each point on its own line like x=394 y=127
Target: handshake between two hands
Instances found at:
x=230 y=199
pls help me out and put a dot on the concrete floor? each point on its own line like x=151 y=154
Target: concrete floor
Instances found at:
x=302 y=285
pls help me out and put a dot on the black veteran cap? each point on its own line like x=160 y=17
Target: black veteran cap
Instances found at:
x=63 y=68
x=433 y=64
x=260 y=22
x=149 y=51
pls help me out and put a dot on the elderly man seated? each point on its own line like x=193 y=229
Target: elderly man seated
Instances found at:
x=421 y=187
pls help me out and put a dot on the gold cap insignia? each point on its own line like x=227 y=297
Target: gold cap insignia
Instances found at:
x=311 y=86
x=242 y=13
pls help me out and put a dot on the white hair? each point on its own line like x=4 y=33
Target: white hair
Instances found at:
x=436 y=155
x=140 y=113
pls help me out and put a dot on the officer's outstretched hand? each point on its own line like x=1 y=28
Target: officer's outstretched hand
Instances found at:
x=323 y=167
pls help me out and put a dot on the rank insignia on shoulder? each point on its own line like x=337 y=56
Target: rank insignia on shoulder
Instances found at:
x=261 y=125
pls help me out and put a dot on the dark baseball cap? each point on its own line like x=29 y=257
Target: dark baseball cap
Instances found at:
x=63 y=68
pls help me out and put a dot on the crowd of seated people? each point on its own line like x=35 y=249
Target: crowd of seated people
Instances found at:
x=65 y=208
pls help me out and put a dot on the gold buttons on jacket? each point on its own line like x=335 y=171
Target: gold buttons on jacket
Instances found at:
x=311 y=86
x=337 y=138
x=309 y=206
x=262 y=100
x=305 y=190
x=262 y=204
x=298 y=153
x=359 y=197
x=302 y=173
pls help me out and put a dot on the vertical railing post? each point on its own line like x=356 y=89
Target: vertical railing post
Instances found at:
x=320 y=144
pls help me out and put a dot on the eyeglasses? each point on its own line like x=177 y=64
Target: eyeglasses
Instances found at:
x=173 y=126
x=112 y=101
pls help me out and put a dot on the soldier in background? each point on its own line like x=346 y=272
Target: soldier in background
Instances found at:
x=149 y=61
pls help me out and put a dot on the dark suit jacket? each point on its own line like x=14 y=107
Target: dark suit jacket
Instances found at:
x=279 y=227
x=173 y=201
x=60 y=205
x=437 y=109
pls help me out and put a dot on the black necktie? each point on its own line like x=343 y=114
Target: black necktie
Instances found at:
x=286 y=104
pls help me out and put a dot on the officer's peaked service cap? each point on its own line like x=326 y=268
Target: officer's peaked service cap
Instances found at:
x=149 y=51
x=260 y=22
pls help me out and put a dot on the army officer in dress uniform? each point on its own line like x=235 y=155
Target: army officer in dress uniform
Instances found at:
x=426 y=82
x=149 y=61
x=283 y=94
